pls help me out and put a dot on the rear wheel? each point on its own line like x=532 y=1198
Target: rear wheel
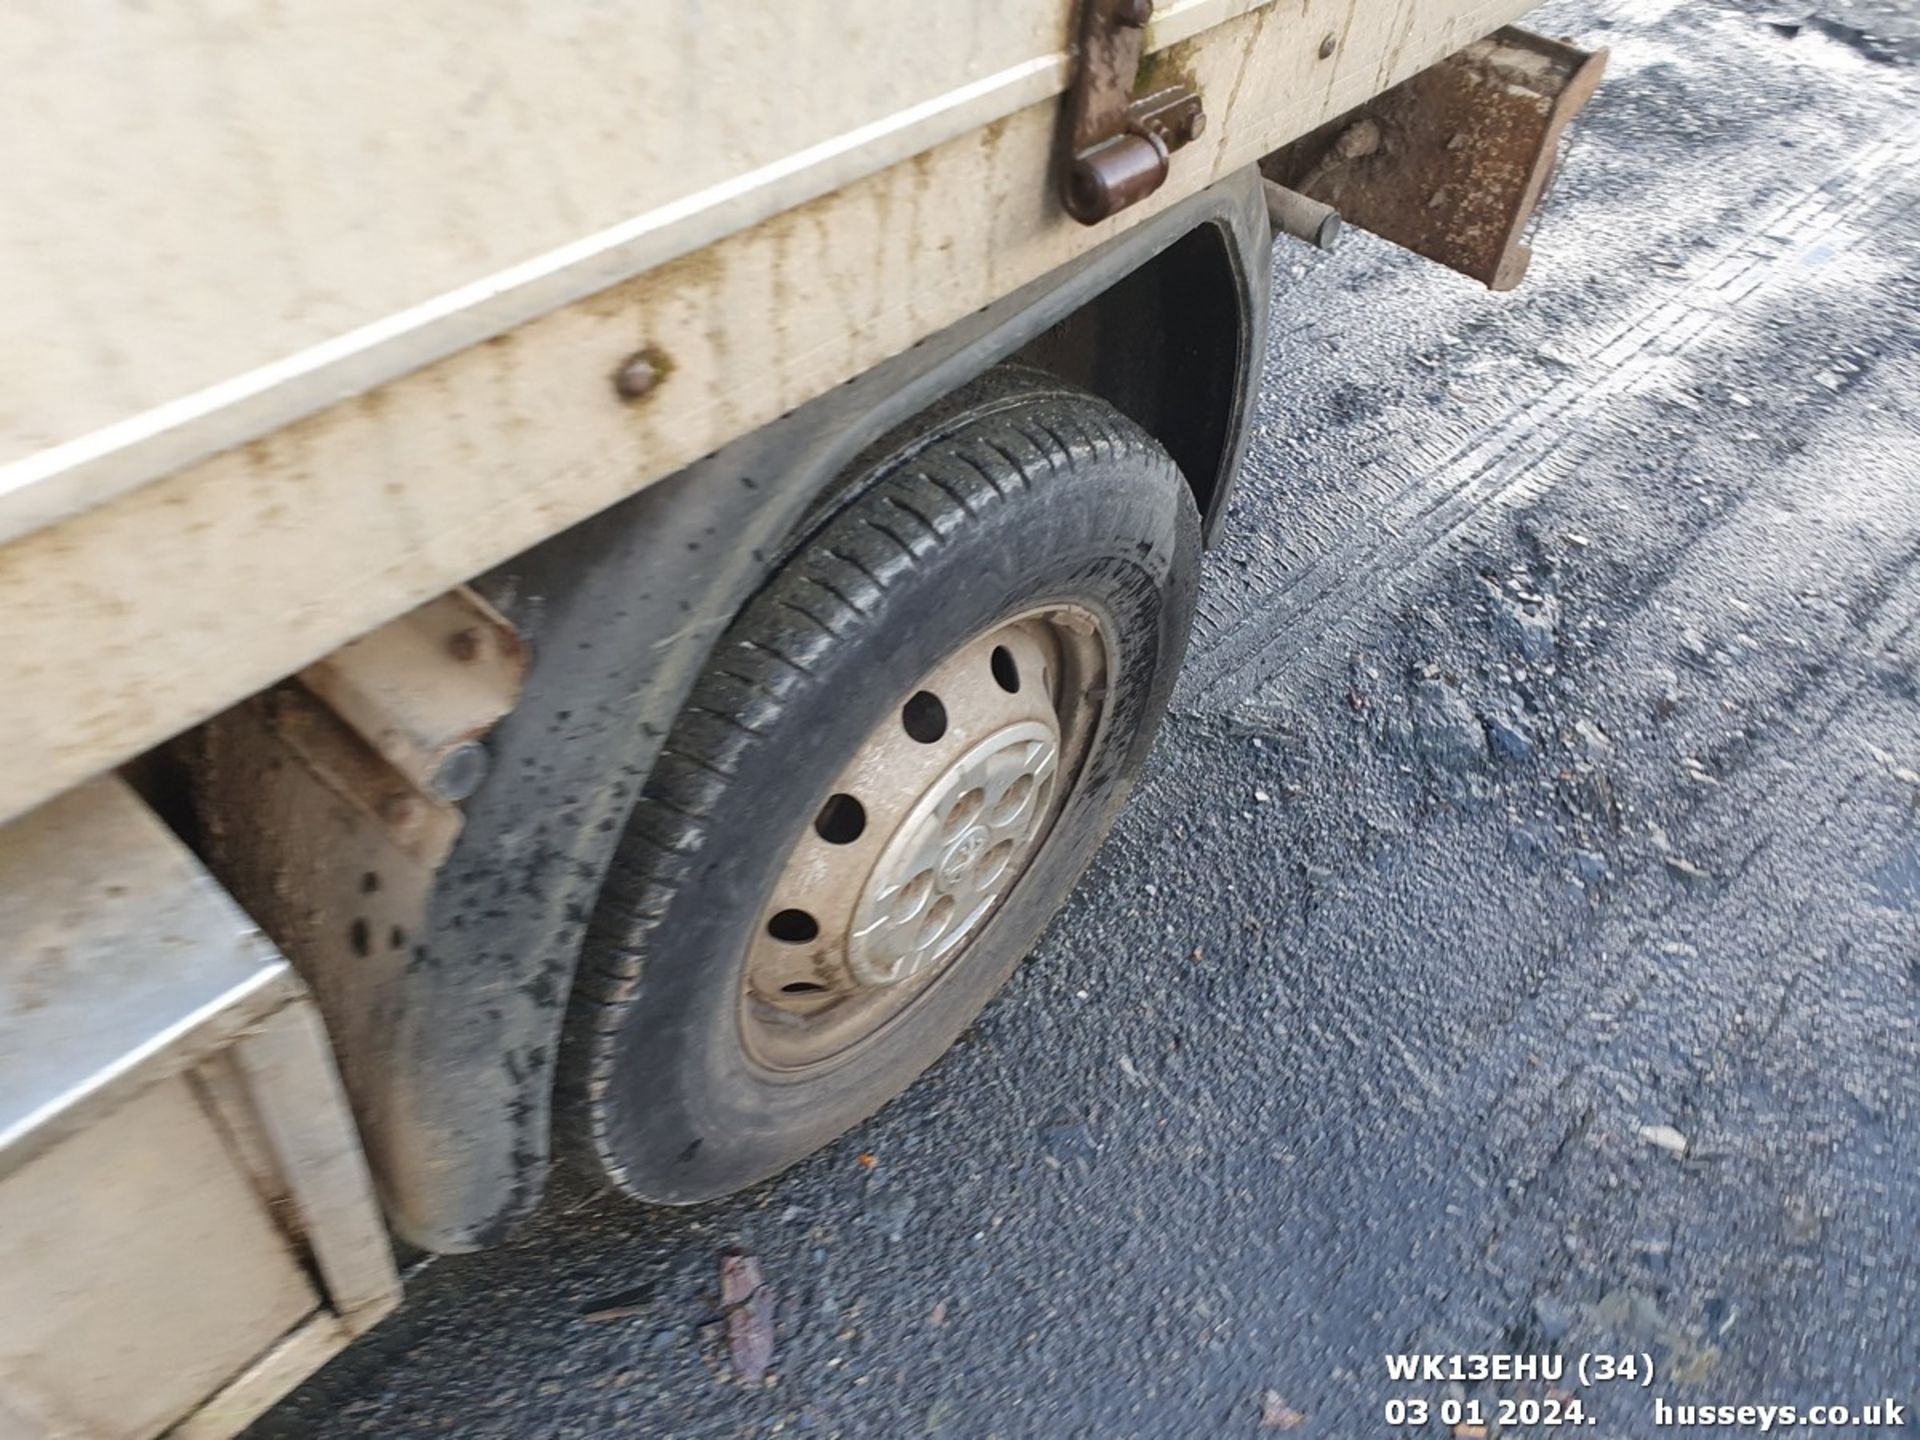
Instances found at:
x=899 y=760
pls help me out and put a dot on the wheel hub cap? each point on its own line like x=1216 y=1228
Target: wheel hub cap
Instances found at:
x=926 y=831
x=955 y=856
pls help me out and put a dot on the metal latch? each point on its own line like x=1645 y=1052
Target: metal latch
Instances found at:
x=1114 y=148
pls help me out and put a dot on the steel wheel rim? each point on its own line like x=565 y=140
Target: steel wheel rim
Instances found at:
x=921 y=837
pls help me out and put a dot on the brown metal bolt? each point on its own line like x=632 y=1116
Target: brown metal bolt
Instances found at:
x=1112 y=175
x=1133 y=13
x=638 y=376
x=1196 y=124
x=1328 y=46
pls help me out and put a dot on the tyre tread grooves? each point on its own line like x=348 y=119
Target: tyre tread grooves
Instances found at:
x=828 y=593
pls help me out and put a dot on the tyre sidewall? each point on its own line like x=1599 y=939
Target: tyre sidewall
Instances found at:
x=700 y=1117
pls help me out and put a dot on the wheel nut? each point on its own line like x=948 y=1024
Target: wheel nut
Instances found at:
x=460 y=772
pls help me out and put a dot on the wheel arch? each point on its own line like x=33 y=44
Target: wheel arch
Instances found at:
x=465 y=1095
x=1171 y=345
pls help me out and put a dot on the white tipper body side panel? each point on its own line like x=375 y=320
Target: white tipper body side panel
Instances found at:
x=250 y=254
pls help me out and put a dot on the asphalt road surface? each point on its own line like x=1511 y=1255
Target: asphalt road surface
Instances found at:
x=1515 y=944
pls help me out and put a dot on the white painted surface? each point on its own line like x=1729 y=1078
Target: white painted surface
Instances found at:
x=256 y=209
x=152 y=1245
x=239 y=186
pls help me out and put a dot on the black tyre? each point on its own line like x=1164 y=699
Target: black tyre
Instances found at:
x=899 y=760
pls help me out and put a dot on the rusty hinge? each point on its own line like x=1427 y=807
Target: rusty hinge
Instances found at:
x=1114 y=148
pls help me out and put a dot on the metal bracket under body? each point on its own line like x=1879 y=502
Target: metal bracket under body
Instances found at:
x=1454 y=162
x=423 y=689
x=329 y=803
x=1114 y=147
